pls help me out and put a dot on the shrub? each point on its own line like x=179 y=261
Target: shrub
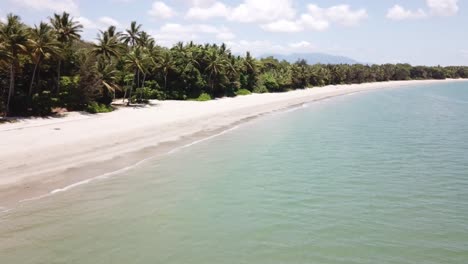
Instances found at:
x=43 y=103
x=95 y=108
x=260 y=89
x=203 y=97
x=69 y=82
x=243 y=92
x=270 y=82
x=144 y=94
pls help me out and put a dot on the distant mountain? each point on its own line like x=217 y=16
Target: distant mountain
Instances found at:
x=313 y=58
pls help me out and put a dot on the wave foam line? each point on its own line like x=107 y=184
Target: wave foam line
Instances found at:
x=292 y=109
x=109 y=174
x=202 y=140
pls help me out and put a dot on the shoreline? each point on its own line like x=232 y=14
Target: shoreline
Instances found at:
x=43 y=156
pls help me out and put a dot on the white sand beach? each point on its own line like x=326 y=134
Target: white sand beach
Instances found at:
x=43 y=154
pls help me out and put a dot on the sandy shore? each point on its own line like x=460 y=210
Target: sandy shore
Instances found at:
x=41 y=155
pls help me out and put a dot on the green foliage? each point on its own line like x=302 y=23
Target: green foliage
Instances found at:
x=94 y=108
x=261 y=88
x=243 y=92
x=143 y=95
x=49 y=65
x=269 y=81
x=203 y=97
x=43 y=103
x=69 y=82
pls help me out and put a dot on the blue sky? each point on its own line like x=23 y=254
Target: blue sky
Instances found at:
x=426 y=32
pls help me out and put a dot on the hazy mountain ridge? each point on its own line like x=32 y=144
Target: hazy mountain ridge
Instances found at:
x=313 y=58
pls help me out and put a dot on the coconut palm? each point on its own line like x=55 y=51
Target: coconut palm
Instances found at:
x=14 y=39
x=250 y=66
x=108 y=46
x=216 y=65
x=135 y=61
x=144 y=39
x=132 y=35
x=108 y=77
x=166 y=64
x=67 y=30
x=112 y=32
x=42 y=46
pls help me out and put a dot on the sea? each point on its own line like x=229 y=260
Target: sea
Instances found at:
x=372 y=177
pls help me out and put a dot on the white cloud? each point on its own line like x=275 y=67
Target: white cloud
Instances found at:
x=262 y=47
x=343 y=15
x=283 y=25
x=436 y=8
x=108 y=21
x=302 y=45
x=87 y=23
x=263 y=11
x=319 y=19
x=443 y=7
x=204 y=12
x=69 y=6
x=171 y=33
x=100 y=23
x=202 y=3
x=314 y=22
x=161 y=10
x=225 y=34
x=397 y=12
x=248 y=11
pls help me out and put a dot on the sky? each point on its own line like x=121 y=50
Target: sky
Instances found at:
x=420 y=32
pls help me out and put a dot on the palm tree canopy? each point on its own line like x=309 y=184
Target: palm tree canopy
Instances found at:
x=132 y=35
x=13 y=36
x=42 y=44
x=66 y=28
x=107 y=46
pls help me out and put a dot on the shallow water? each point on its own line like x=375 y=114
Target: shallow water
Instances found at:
x=374 y=177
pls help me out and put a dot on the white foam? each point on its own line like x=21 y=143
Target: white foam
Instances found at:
x=4 y=210
x=109 y=174
x=202 y=140
x=292 y=109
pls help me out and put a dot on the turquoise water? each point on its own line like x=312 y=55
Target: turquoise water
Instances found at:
x=374 y=177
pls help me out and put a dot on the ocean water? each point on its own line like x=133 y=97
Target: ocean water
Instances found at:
x=373 y=177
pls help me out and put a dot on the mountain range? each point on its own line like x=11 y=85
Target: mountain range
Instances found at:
x=313 y=58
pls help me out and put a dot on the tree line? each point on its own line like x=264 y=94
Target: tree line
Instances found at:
x=48 y=66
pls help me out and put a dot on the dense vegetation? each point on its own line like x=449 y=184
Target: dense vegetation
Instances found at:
x=48 y=66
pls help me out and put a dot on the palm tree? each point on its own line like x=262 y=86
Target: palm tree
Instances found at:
x=132 y=35
x=42 y=45
x=216 y=64
x=108 y=77
x=66 y=31
x=250 y=65
x=144 y=39
x=14 y=39
x=108 y=45
x=166 y=64
x=135 y=60
x=112 y=32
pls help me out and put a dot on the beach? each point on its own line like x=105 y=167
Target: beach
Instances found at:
x=42 y=155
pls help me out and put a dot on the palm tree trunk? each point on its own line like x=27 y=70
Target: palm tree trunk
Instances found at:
x=12 y=88
x=212 y=87
x=58 y=76
x=32 y=79
x=125 y=95
x=165 y=82
x=138 y=78
x=131 y=89
x=143 y=85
